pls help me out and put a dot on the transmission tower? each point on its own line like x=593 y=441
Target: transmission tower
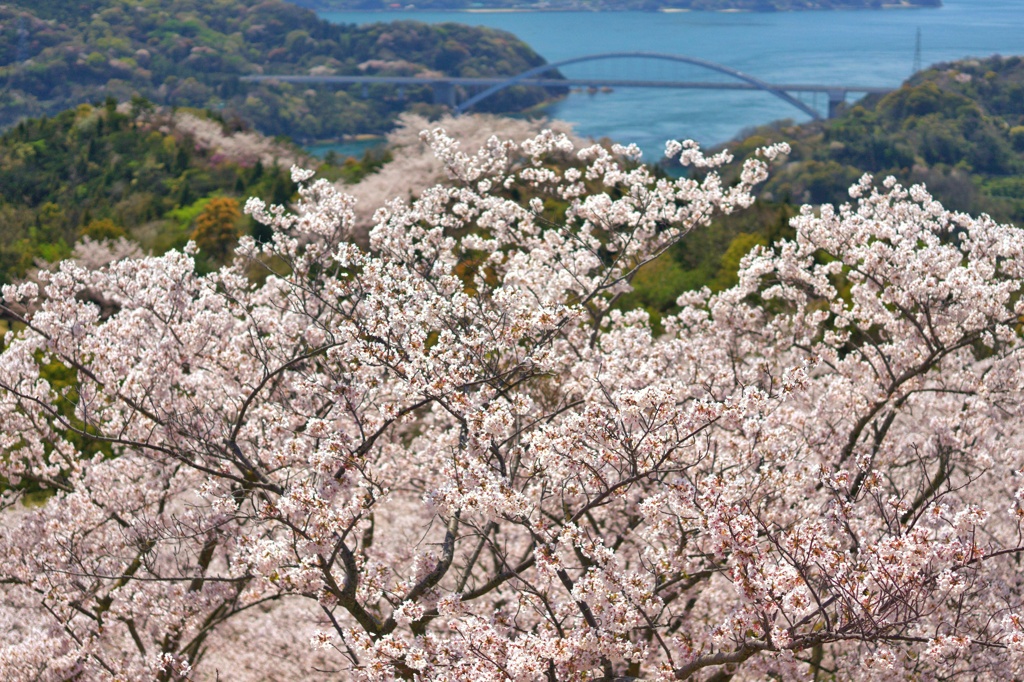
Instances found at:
x=917 y=52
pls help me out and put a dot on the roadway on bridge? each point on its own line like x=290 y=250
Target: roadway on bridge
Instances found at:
x=444 y=86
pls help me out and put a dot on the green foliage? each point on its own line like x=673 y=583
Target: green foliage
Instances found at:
x=75 y=441
x=95 y=172
x=1017 y=138
x=729 y=268
x=185 y=216
x=104 y=228
x=656 y=286
x=957 y=127
x=352 y=170
x=194 y=53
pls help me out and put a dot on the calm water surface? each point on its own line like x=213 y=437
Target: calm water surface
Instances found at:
x=846 y=47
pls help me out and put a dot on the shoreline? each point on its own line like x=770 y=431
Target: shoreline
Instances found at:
x=904 y=5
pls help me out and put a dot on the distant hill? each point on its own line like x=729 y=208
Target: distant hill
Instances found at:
x=958 y=127
x=620 y=5
x=56 y=54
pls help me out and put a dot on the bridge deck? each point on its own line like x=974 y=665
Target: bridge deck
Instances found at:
x=445 y=91
x=568 y=82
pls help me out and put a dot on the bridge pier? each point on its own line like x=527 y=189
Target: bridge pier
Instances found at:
x=444 y=93
x=835 y=98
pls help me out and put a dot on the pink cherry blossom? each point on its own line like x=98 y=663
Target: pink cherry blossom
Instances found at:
x=356 y=459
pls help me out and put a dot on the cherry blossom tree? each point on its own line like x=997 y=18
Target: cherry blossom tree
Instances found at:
x=372 y=462
x=414 y=167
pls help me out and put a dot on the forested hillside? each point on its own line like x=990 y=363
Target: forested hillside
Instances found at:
x=55 y=55
x=101 y=173
x=957 y=127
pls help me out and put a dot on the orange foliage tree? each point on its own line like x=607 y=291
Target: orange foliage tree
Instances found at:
x=217 y=231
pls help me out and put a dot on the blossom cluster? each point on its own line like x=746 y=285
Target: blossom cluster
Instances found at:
x=442 y=451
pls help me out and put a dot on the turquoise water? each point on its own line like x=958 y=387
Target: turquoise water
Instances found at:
x=868 y=47
x=356 y=148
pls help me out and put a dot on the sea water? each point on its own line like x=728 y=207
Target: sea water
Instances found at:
x=862 y=47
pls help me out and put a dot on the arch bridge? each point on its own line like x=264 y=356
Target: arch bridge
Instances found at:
x=445 y=87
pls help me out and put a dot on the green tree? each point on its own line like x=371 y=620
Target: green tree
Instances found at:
x=103 y=228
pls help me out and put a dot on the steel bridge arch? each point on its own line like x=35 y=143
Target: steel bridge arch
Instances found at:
x=545 y=68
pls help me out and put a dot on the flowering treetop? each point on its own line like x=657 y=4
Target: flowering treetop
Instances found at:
x=378 y=463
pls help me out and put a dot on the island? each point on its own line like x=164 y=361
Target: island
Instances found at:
x=56 y=54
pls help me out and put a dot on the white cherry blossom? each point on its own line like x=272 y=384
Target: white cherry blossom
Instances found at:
x=440 y=451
